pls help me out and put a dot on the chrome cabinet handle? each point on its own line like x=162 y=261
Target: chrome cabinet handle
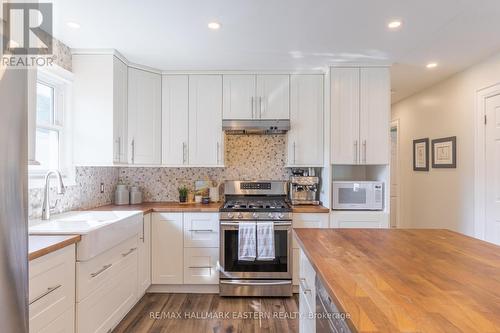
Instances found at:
x=355 y=151
x=260 y=107
x=252 y=106
x=183 y=153
x=93 y=275
x=210 y=267
x=304 y=287
x=133 y=151
x=119 y=151
x=49 y=291
x=294 y=152
x=364 y=151
x=201 y=230
x=129 y=252
x=218 y=151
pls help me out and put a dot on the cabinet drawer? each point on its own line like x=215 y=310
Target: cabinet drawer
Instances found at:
x=102 y=310
x=200 y=266
x=309 y=220
x=65 y=323
x=92 y=274
x=307 y=280
x=201 y=230
x=51 y=287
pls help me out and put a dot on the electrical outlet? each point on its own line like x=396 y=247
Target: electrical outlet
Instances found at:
x=102 y=187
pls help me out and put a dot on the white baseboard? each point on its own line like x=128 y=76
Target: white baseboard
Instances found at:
x=184 y=288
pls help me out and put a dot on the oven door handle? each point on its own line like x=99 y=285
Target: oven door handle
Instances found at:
x=278 y=224
x=255 y=283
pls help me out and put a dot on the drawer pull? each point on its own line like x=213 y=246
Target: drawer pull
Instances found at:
x=49 y=290
x=304 y=287
x=129 y=252
x=201 y=230
x=93 y=275
x=210 y=267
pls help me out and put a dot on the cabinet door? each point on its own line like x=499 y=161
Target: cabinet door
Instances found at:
x=305 y=139
x=239 y=96
x=167 y=248
x=205 y=120
x=370 y=220
x=120 y=101
x=201 y=230
x=144 y=117
x=200 y=266
x=375 y=112
x=175 y=119
x=144 y=257
x=273 y=96
x=345 y=115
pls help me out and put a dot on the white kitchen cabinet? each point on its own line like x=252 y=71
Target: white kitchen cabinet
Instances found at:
x=375 y=106
x=307 y=295
x=239 y=97
x=144 y=117
x=99 y=110
x=360 y=219
x=306 y=220
x=167 y=248
x=175 y=119
x=360 y=102
x=205 y=120
x=144 y=257
x=201 y=230
x=52 y=292
x=273 y=94
x=305 y=138
x=200 y=266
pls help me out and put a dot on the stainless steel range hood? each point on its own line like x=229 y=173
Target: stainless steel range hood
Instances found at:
x=253 y=126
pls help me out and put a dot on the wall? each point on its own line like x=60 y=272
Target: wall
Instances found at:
x=442 y=198
x=248 y=157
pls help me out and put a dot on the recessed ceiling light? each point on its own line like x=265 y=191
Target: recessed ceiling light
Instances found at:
x=394 y=24
x=73 y=25
x=214 y=25
x=431 y=65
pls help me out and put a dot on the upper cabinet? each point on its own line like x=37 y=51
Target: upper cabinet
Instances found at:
x=256 y=96
x=144 y=117
x=99 y=110
x=175 y=120
x=205 y=121
x=360 y=102
x=305 y=138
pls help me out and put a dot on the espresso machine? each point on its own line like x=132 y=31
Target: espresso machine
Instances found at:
x=304 y=187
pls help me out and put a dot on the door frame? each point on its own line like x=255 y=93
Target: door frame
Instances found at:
x=480 y=158
x=395 y=124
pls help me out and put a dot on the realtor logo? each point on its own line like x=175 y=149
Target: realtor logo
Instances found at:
x=27 y=28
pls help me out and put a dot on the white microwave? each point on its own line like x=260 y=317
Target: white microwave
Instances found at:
x=353 y=195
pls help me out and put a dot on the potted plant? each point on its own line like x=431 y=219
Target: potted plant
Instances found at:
x=183 y=193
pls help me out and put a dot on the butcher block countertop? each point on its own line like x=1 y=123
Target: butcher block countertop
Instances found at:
x=166 y=207
x=310 y=209
x=408 y=280
x=39 y=246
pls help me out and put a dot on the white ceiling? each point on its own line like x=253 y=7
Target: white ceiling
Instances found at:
x=289 y=34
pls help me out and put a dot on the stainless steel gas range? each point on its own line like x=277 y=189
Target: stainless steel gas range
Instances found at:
x=255 y=201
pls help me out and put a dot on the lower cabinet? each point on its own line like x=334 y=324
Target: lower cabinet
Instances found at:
x=185 y=248
x=52 y=292
x=305 y=220
x=307 y=296
x=144 y=257
x=360 y=219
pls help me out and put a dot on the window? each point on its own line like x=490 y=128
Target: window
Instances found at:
x=50 y=129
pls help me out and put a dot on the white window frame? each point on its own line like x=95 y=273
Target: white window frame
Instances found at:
x=62 y=82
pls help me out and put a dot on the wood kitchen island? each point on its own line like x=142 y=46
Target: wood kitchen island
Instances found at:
x=407 y=280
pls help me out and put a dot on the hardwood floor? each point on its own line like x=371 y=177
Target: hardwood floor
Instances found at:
x=203 y=313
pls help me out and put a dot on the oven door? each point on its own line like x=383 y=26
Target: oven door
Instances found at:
x=232 y=268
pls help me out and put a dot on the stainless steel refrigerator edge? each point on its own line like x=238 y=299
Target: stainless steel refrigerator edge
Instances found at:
x=13 y=201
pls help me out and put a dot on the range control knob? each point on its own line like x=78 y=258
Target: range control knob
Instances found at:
x=280 y=216
x=255 y=215
x=230 y=215
x=270 y=215
x=240 y=215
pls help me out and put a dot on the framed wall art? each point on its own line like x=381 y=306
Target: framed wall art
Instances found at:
x=421 y=154
x=444 y=153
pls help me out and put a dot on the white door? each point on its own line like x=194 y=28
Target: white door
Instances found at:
x=273 y=96
x=305 y=138
x=175 y=119
x=167 y=248
x=492 y=181
x=394 y=176
x=375 y=109
x=239 y=96
x=205 y=120
x=345 y=115
x=120 y=101
x=144 y=117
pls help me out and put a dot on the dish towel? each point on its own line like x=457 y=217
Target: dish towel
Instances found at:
x=247 y=249
x=265 y=241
